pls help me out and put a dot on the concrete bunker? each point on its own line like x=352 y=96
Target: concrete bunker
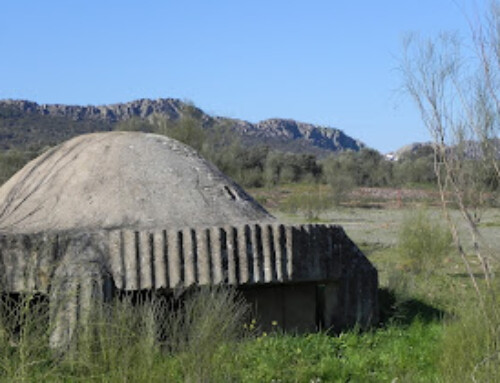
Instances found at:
x=125 y=211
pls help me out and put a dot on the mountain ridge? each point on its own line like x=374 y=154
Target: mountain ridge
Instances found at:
x=279 y=133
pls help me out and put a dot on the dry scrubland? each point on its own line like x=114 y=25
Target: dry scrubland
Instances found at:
x=428 y=332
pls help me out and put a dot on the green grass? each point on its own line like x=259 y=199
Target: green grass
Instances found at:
x=376 y=356
x=396 y=351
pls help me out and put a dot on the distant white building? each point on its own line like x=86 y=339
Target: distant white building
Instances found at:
x=391 y=156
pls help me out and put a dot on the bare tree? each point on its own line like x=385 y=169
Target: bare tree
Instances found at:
x=455 y=85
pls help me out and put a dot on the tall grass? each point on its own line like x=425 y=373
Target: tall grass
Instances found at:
x=204 y=340
x=153 y=340
x=23 y=338
x=203 y=333
x=471 y=342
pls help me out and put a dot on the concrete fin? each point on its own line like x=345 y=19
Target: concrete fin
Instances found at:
x=190 y=257
x=130 y=260
x=280 y=252
x=116 y=258
x=243 y=256
x=203 y=250
x=232 y=255
x=159 y=256
x=289 y=251
x=174 y=259
x=146 y=260
x=258 y=255
x=267 y=253
x=216 y=236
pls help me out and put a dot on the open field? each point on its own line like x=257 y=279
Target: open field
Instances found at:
x=373 y=217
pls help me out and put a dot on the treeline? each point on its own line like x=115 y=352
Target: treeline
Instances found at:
x=261 y=166
x=258 y=166
x=14 y=159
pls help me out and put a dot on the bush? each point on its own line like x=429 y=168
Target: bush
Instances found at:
x=310 y=204
x=341 y=186
x=423 y=243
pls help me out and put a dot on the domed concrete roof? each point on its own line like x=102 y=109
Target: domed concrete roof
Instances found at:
x=122 y=180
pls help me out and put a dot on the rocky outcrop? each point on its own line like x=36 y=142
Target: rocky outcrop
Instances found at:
x=283 y=134
x=321 y=137
x=111 y=113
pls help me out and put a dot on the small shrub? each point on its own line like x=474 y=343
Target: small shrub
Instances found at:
x=423 y=243
x=341 y=186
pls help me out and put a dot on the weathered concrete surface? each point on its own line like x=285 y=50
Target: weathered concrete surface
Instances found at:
x=303 y=276
x=123 y=211
x=181 y=258
x=122 y=180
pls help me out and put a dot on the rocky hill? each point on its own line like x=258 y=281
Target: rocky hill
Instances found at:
x=468 y=149
x=26 y=123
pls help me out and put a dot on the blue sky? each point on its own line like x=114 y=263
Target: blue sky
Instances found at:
x=332 y=63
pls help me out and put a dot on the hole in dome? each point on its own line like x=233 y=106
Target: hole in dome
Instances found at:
x=230 y=193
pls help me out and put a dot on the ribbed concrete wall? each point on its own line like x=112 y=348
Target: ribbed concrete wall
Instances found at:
x=136 y=260
x=235 y=255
